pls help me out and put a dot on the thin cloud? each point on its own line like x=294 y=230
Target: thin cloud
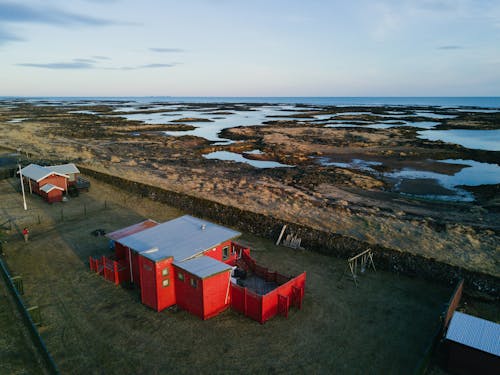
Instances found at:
x=450 y=47
x=85 y=63
x=146 y=66
x=101 y=57
x=166 y=50
x=60 y=65
x=18 y=13
x=90 y=61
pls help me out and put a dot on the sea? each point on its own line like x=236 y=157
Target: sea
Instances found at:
x=444 y=101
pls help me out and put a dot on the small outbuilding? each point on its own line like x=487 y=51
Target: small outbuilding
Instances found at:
x=473 y=345
x=51 y=193
x=37 y=177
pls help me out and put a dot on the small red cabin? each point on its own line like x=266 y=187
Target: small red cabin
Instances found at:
x=190 y=263
x=38 y=176
x=51 y=193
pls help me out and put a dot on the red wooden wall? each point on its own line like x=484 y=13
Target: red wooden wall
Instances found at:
x=188 y=297
x=217 y=253
x=154 y=293
x=216 y=294
x=53 y=179
x=52 y=196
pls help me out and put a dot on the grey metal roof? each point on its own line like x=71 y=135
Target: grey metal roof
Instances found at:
x=64 y=168
x=181 y=238
x=37 y=172
x=475 y=332
x=203 y=266
x=49 y=187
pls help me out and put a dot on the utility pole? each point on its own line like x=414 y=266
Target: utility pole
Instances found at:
x=22 y=187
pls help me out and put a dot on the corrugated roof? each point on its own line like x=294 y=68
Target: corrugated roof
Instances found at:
x=124 y=232
x=475 y=332
x=49 y=187
x=64 y=168
x=181 y=238
x=203 y=266
x=37 y=172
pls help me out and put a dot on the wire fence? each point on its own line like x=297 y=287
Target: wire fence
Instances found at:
x=33 y=218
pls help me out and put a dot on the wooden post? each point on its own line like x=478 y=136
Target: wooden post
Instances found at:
x=281 y=235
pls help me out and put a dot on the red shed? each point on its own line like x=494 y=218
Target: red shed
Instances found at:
x=38 y=176
x=51 y=193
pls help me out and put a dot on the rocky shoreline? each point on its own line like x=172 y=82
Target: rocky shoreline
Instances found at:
x=323 y=192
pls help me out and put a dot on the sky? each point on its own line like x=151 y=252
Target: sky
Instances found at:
x=250 y=48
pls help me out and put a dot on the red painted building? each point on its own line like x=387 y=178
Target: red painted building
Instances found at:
x=45 y=182
x=189 y=262
x=51 y=193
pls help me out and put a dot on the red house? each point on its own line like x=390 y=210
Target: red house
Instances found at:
x=37 y=177
x=190 y=263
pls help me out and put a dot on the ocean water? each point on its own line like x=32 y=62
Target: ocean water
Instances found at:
x=446 y=102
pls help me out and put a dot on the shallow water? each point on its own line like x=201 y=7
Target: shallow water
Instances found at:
x=232 y=156
x=421 y=125
x=474 y=139
x=473 y=174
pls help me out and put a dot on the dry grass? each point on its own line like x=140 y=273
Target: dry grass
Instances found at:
x=94 y=327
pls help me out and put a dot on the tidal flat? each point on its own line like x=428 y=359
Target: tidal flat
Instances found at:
x=343 y=169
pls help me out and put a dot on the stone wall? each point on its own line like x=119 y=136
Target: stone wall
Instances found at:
x=312 y=239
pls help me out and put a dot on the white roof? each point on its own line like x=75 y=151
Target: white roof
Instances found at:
x=49 y=187
x=37 y=172
x=65 y=168
x=181 y=238
x=203 y=266
x=475 y=332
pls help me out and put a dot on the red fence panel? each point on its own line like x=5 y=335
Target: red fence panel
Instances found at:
x=283 y=305
x=238 y=298
x=254 y=306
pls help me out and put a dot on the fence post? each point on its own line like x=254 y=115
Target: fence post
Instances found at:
x=39 y=221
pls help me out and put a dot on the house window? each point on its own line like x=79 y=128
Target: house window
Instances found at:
x=180 y=276
x=165 y=283
x=164 y=272
x=194 y=283
x=225 y=252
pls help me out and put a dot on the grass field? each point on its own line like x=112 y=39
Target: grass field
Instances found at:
x=94 y=327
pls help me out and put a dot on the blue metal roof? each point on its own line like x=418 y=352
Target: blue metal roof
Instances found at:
x=181 y=238
x=203 y=266
x=475 y=332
